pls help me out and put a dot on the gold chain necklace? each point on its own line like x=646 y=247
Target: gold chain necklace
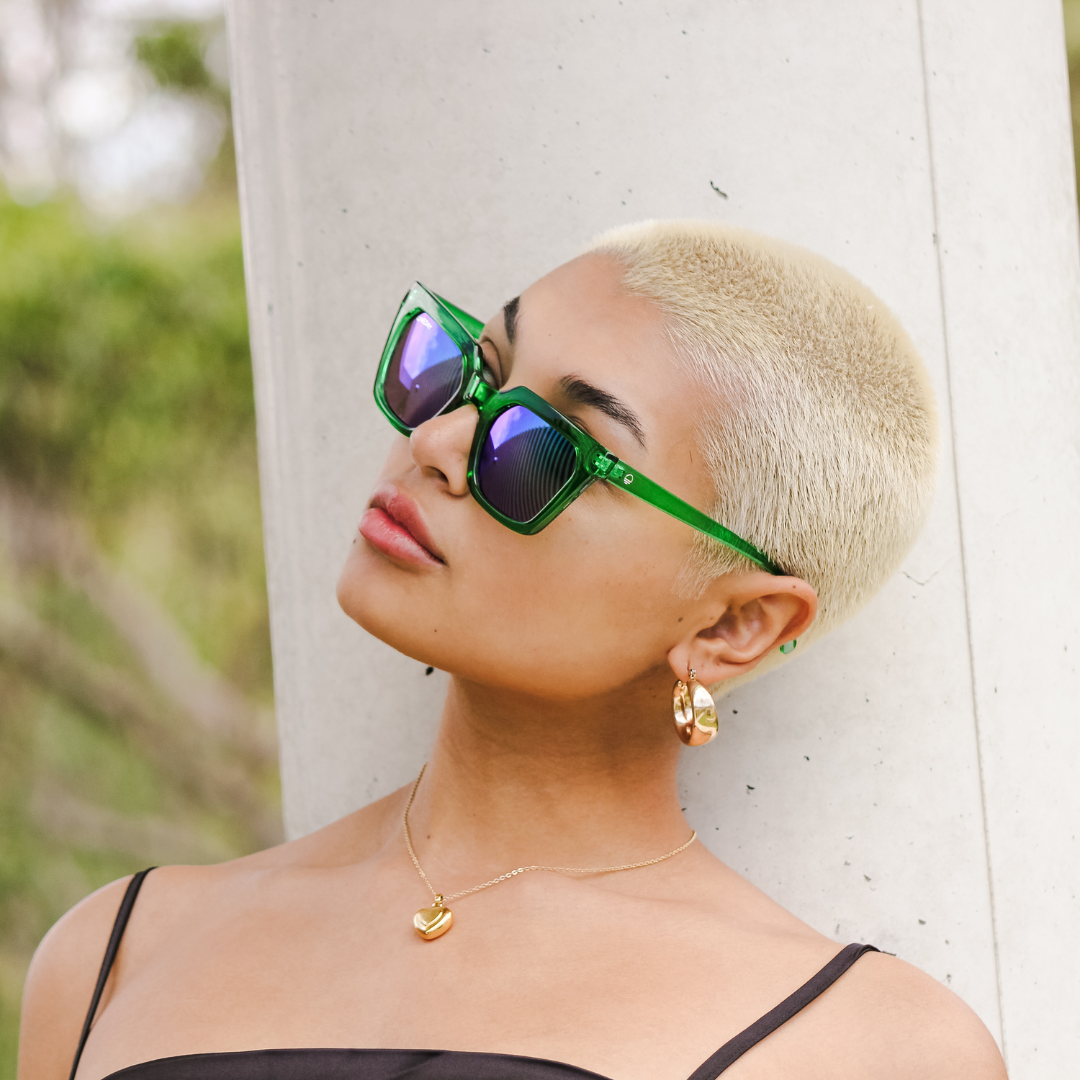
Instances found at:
x=433 y=922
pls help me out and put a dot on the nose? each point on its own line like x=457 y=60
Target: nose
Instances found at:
x=440 y=447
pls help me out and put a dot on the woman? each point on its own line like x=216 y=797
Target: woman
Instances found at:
x=737 y=374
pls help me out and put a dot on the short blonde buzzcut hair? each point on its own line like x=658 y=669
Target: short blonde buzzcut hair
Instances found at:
x=823 y=444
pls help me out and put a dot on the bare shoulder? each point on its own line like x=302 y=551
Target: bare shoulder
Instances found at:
x=60 y=984
x=64 y=970
x=173 y=899
x=910 y=1026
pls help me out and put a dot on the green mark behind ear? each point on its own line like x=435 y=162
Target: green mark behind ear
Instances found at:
x=789 y=646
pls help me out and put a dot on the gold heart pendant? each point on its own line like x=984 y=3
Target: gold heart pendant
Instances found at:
x=433 y=922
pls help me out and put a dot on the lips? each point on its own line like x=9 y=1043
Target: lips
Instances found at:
x=394 y=525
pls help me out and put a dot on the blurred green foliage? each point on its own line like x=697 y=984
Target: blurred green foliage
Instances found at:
x=131 y=565
x=125 y=394
x=118 y=360
x=174 y=56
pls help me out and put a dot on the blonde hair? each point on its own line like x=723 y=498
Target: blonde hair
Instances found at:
x=823 y=444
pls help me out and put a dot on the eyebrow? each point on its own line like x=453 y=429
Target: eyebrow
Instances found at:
x=510 y=314
x=584 y=393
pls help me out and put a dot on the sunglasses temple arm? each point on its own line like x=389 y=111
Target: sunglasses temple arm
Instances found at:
x=649 y=491
x=471 y=323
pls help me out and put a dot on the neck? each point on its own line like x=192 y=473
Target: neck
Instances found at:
x=515 y=781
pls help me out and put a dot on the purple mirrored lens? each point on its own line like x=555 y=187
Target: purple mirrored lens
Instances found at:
x=524 y=464
x=425 y=372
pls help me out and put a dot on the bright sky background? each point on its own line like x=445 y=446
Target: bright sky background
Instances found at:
x=78 y=110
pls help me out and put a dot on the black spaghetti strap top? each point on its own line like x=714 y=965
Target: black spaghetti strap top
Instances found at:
x=346 y=1064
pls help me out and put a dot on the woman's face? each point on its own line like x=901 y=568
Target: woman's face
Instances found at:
x=588 y=604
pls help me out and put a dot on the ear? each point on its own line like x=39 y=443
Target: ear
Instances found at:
x=743 y=618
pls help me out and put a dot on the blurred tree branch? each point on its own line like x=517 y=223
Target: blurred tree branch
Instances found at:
x=39 y=535
x=147 y=839
x=50 y=658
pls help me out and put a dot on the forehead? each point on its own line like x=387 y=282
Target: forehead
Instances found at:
x=579 y=320
x=585 y=299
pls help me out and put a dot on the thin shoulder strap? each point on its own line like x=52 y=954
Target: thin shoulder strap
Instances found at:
x=735 y=1048
x=122 y=916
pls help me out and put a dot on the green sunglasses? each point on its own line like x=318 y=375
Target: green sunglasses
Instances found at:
x=528 y=462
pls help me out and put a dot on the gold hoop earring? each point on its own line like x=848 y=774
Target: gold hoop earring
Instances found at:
x=695 y=711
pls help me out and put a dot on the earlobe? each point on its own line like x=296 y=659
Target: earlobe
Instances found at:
x=759 y=614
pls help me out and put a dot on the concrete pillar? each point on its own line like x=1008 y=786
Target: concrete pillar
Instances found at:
x=908 y=782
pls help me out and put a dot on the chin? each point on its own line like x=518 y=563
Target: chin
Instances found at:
x=388 y=603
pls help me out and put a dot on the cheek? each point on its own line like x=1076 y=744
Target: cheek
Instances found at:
x=398 y=458
x=583 y=618
x=582 y=607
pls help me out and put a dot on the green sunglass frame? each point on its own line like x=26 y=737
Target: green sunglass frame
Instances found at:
x=593 y=460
